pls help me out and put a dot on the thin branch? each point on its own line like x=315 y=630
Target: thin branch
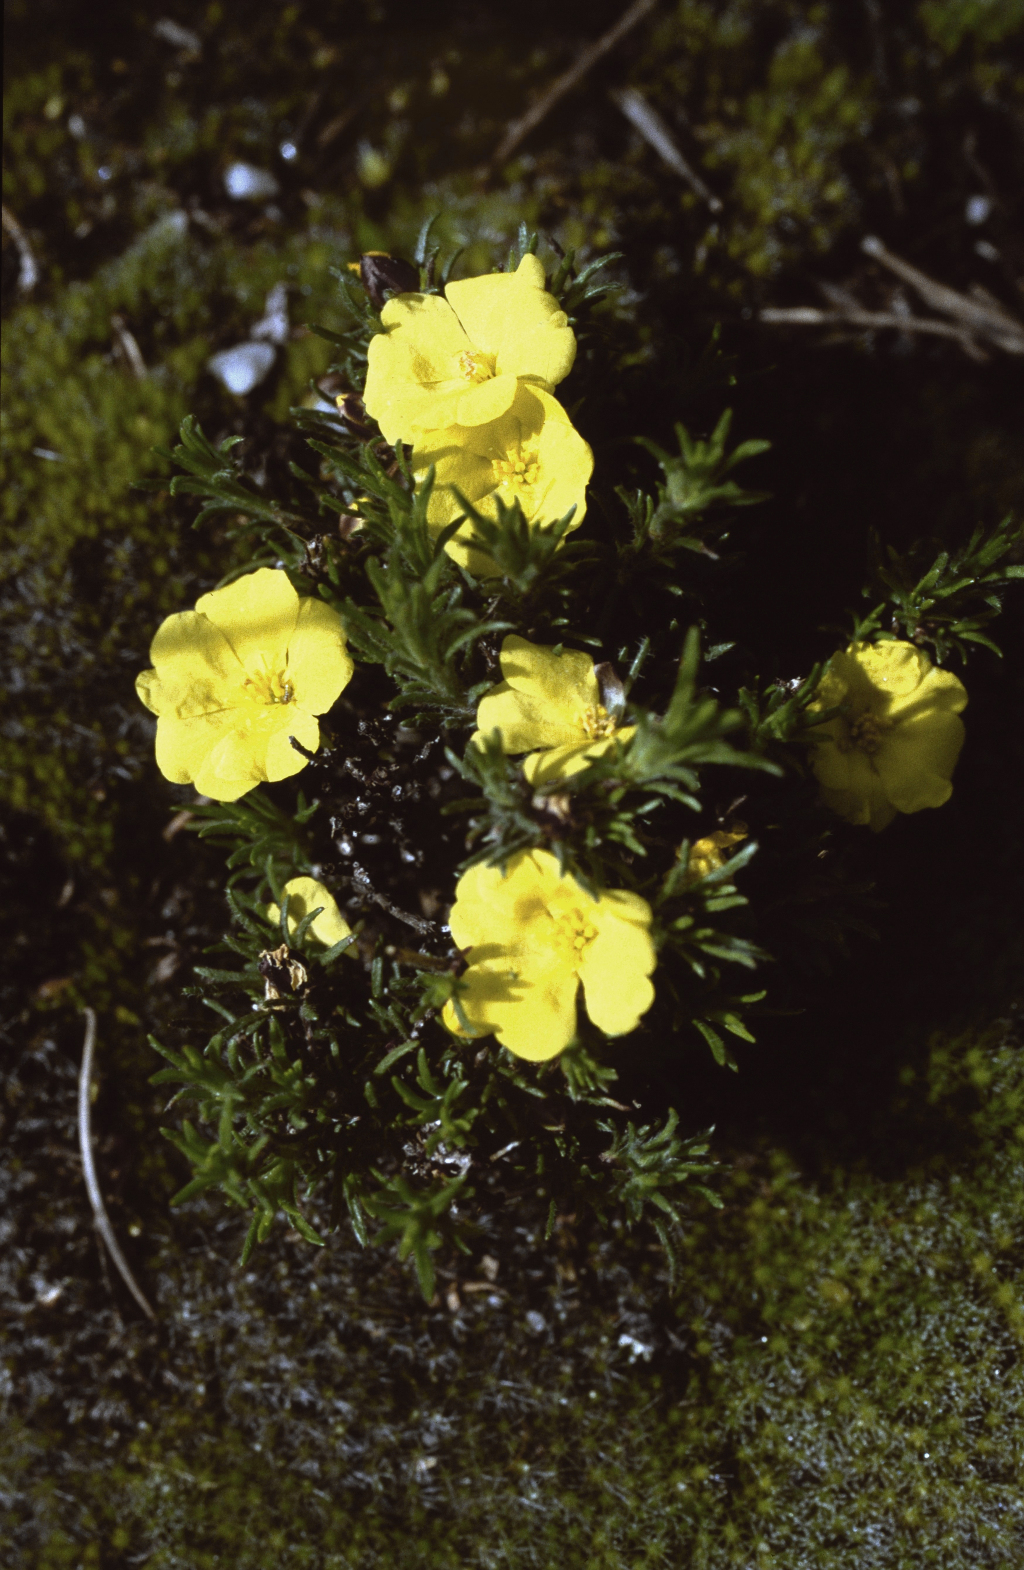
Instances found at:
x=657 y=135
x=985 y=316
x=518 y=130
x=978 y=317
x=28 y=268
x=128 y=344
x=360 y=880
x=810 y=316
x=99 y=1210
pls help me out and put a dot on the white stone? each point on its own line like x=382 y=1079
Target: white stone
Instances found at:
x=246 y=183
x=242 y=367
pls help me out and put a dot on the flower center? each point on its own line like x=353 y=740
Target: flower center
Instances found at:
x=573 y=933
x=866 y=733
x=269 y=686
x=518 y=470
x=473 y=366
x=597 y=723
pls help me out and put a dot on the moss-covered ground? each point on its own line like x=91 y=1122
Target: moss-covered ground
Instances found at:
x=835 y=1378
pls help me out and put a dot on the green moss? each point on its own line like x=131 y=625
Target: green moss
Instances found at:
x=785 y=154
x=836 y=1380
x=823 y=1337
x=950 y=22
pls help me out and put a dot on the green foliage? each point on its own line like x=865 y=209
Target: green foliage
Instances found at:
x=312 y=1041
x=958 y=595
x=260 y=836
x=412 y=1217
x=835 y=1379
x=793 y=1416
x=649 y=1163
x=951 y=22
x=602 y=817
x=695 y=483
x=298 y=1090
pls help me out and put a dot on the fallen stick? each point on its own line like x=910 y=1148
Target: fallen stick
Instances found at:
x=28 y=267
x=657 y=135
x=519 y=129
x=985 y=317
x=99 y=1210
x=129 y=346
x=811 y=316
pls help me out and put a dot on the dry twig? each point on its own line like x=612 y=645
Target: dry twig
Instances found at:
x=811 y=316
x=657 y=135
x=99 y=1210
x=128 y=345
x=28 y=267
x=518 y=130
x=979 y=312
x=978 y=318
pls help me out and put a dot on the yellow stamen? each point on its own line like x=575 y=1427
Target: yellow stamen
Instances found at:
x=572 y=933
x=270 y=686
x=866 y=733
x=473 y=366
x=596 y=723
x=518 y=471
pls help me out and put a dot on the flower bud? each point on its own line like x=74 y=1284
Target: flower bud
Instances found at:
x=380 y=272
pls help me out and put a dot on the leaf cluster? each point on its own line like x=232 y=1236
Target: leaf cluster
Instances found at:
x=696 y=483
x=329 y=1069
x=951 y=602
x=301 y=1085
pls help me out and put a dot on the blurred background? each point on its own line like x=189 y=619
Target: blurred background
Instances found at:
x=833 y=1380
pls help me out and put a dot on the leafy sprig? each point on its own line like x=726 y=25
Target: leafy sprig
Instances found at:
x=697 y=483
x=949 y=603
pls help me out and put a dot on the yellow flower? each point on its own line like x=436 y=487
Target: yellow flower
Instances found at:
x=304 y=895
x=458 y=361
x=550 y=701
x=708 y=854
x=534 y=938
x=896 y=743
x=532 y=452
x=250 y=667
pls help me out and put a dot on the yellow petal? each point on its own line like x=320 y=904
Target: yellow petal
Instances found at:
x=851 y=786
x=831 y=762
x=453 y=452
x=532 y=453
x=461 y=404
x=894 y=669
x=414 y=360
x=525 y=721
x=503 y=912
x=231 y=766
x=197 y=672
x=257 y=615
x=319 y=664
x=616 y=965
x=938 y=691
x=280 y=759
x=485 y=402
x=833 y=688
x=534 y=1016
x=220 y=789
x=147 y=687
x=917 y=758
x=450 y=1020
x=558 y=763
x=563 y=681
x=514 y=318
x=304 y=895
x=182 y=746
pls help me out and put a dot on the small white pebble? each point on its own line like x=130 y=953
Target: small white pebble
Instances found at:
x=245 y=183
x=242 y=368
